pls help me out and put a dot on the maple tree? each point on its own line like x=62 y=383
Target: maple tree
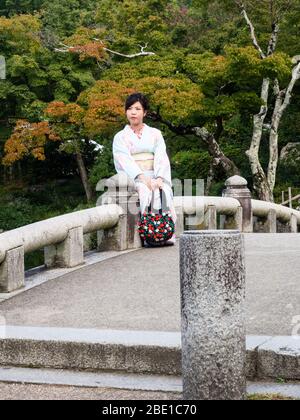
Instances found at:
x=28 y=139
x=203 y=82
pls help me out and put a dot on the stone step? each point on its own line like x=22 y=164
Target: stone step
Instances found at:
x=137 y=352
x=94 y=350
x=112 y=381
x=116 y=380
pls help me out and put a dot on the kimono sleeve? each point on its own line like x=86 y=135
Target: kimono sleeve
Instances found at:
x=162 y=167
x=123 y=160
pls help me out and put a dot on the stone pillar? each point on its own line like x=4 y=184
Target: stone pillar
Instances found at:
x=233 y=222
x=12 y=270
x=211 y=218
x=212 y=275
x=267 y=224
x=236 y=187
x=294 y=223
x=120 y=190
x=238 y=219
x=68 y=253
x=179 y=227
x=114 y=239
x=222 y=221
x=272 y=221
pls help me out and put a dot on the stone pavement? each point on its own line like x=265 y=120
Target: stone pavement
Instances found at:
x=140 y=290
x=138 y=294
x=17 y=391
x=27 y=391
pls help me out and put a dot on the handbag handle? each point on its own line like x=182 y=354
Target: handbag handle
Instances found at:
x=161 y=200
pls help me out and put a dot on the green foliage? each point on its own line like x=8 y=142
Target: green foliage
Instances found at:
x=205 y=72
x=103 y=166
x=23 y=206
x=20 y=34
x=190 y=164
x=63 y=17
x=15 y=214
x=13 y=7
x=131 y=22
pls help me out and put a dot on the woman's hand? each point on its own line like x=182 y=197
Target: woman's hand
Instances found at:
x=145 y=180
x=159 y=182
x=156 y=183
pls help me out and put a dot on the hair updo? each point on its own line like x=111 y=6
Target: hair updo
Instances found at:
x=137 y=97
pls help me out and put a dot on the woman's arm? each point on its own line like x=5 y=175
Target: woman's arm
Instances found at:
x=123 y=160
x=162 y=167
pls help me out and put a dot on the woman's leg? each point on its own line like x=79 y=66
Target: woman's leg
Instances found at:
x=144 y=196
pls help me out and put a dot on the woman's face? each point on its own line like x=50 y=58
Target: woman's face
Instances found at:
x=135 y=114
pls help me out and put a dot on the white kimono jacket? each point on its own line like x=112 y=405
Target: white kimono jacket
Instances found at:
x=125 y=144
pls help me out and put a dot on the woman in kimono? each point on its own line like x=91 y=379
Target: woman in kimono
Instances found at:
x=140 y=151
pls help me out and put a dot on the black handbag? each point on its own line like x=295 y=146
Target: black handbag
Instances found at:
x=156 y=229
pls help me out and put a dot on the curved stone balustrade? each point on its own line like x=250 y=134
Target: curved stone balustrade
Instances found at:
x=229 y=206
x=191 y=204
x=55 y=230
x=62 y=239
x=115 y=218
x=262 y=209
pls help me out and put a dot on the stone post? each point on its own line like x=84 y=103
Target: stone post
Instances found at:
x=294 y=223
x=68 y=253
x=120 y=190
x=114 y=239
x=236 y=187
x=272 y=221
x=179 y=227
x=211 y=218
x=12 y=270
x=212 y=275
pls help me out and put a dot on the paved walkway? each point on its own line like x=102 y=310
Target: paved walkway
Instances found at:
x=51 y=392
x=140 y=290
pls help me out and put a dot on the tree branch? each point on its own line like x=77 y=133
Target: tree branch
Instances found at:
x=141 y=53
x=208 y=138
x=273 y=40
x=68 y=48
x=283 y=99
x=289 y=90
x=252 y=30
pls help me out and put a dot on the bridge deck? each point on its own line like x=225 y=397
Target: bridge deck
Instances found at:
x=140 y=291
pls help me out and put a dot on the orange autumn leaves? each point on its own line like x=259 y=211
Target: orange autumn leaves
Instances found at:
x=100 y=111
x=89 y=50
x=28 y=139
x=85 y=43
x=104 y=104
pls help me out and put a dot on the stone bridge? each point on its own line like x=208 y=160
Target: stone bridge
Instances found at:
x=121 y=297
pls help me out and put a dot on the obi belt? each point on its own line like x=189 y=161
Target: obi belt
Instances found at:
x=144 y=160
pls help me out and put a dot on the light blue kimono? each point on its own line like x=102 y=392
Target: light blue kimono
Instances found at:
x=126 y=143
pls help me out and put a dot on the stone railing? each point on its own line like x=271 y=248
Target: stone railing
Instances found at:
x=62 y=240
x=115 y=218
x=235 y=210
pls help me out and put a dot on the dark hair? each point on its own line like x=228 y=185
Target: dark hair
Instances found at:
x=137 y=97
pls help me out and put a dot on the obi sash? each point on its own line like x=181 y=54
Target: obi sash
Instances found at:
x=144 y=160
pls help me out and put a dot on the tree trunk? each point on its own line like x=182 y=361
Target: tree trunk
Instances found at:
x=273 y=142
x=211 y=175
x=283 y=99
x=216 y=152
x=264 y=184
x=260 y=181
x=84 y=177
x=20 y=175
